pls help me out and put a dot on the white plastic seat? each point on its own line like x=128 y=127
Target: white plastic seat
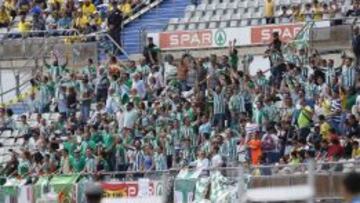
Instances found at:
x=213 y=25
x=184 y=20
x=222 y=6
x=171 y=27
x=181 y=27
x=236 y=16
x=192 y=26
x=244 y=22
x=254 y=21
x=251 y=3
x=195 y=19
x=201 y=7
x=190 y=8
x=226 y=17
x=257 y=15
x=234 y=23
x=241 y=5
x=223 y=24
x=173 y=20
x=205 y=18
x=202 y=26
x=219 y=12
x=246 y=15
x=211 y=7
x=251 y=10
x=230 y=11
x=233 y=5
x=241 y=10
x=188 y=14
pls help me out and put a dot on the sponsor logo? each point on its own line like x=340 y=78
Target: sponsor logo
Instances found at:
x=183 y=39
x=263 y=34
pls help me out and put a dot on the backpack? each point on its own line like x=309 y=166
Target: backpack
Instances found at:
x=268 y=143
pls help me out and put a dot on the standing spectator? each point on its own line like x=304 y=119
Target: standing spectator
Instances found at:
x=254 y=145
x=356 y=46
x=115 y=23
x=269 y=11
x=269 y=145
x=219 y=105
x=349 y=74
x=151 y=52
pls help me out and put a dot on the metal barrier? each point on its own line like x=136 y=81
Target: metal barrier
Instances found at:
x=327 y=182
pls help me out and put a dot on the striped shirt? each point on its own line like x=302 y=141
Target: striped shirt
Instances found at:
x=237 y=103
x=138 y=161
x=219 y=102
x=348 y=77
x=188 y=132
x=330 y=74
x=335 y=107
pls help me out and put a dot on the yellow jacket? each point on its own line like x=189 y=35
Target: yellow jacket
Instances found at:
x=24 y=26
x=4 y=18
x=126 y=9
x=88 y=10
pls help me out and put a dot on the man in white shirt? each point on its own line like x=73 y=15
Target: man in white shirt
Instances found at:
x=130 y=116
x=139 y=85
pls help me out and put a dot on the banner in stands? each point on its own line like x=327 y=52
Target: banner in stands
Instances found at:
x=217 y=38
x=143 y=190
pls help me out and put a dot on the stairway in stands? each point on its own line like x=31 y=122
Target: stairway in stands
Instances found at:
x=154 y=20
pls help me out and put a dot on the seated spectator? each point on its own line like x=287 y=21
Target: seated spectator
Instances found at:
x=284 y=16
x=307 y=13
x=38 y=22
x=355 y=11
x=88 y=8
x=4 y=17
x=125 y=8
x=23 y=25
x=326 y=12
x=317 y=10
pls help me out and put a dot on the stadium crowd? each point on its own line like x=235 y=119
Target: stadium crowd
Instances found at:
x=160 y=113
x=84 y=15
x=315 y=11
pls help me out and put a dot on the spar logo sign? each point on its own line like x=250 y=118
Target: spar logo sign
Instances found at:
x=220 y=37
x=263 y=34
x=186 y=39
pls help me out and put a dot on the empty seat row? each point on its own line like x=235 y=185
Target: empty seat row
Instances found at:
x=257 y=10
x=215 y=24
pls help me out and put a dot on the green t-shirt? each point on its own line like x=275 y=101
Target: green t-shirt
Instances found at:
x=23 y=167
x=87 y=144
x=96 y=137
x=234 y=60
x=108 y=140
x=70 y=147
x=77 y=164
